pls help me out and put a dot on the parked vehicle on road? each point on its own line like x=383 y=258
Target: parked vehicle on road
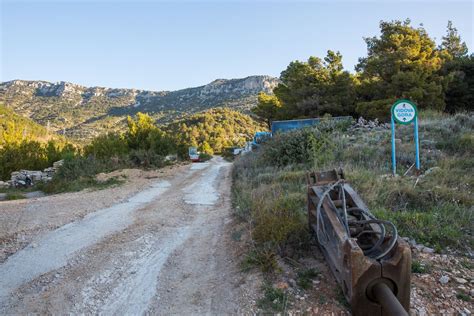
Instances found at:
x=259 y=138
x=193 y=154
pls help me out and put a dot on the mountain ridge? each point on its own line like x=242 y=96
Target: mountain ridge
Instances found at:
x=84 y=112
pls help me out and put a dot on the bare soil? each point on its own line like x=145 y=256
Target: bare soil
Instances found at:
x=158 y=244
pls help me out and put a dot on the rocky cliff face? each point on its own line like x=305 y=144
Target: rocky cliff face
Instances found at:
x=83 y=112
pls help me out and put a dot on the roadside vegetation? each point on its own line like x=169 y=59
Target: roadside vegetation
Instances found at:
x=403 y=61
x=142 y=145
x=434 y=208
x=27 y=145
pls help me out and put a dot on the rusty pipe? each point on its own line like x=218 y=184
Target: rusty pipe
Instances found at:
x=385 y=297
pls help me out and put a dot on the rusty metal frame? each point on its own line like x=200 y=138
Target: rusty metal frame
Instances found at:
x=372 y=287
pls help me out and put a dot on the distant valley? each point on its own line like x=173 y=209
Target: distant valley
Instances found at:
x=81 y=112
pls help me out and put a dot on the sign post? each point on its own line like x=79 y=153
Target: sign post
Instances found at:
x=404 y=112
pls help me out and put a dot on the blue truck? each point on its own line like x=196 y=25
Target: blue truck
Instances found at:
x=259 y=138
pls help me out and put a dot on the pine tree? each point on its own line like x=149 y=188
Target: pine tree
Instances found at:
x=402 y=63
x=453 y=44
x=315 y=88
x=267 y=108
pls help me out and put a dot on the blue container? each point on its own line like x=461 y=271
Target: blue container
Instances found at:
x=284 y=126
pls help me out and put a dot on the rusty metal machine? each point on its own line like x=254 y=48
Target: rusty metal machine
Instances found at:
x=370 y=262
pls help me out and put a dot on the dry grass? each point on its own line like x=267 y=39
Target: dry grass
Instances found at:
x=435 y=208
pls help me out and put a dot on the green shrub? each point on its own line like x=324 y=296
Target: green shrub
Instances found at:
x=457 y=143
x=263 y=257
x=78 y=173
x=420 y=267
x=305 y=146
x=76 y=168
x=277 y=216
x=146 y=158
x=31 y=155
x=161 y=143
x=228 y=153
x=305 y=277
x=204 y=157
x=273 y=299
x=441 y=226
x=107 y=146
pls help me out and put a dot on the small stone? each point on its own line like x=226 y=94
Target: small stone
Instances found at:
x=428 y=250
x=472 y=292
x=444 y=279
x=419 y=247
x=292 y=282
x=460 y=280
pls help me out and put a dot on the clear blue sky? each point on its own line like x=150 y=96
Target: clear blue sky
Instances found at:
x=159 y=45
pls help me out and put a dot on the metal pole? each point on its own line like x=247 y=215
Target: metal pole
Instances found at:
x=417 y=145
x=390 y=304
x=394 y=159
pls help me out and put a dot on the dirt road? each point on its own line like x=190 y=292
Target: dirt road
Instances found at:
x=164 y=249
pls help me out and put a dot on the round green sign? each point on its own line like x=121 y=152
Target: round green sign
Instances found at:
x=404 y=111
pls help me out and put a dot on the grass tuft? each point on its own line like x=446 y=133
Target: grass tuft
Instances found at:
x=305 y=278
x=263 y=258
x=14 y=196
x=420 y=267
x=274 y=300
x=463 y=296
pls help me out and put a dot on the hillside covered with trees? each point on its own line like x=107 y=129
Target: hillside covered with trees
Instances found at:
x=15 y=128
x=81 y=113
x=27 y=145
x=214 y=130
x=402 y=62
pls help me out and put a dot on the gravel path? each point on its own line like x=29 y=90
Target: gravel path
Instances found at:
x=164 y=249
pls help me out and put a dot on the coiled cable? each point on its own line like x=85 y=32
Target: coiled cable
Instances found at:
x=361 y=225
